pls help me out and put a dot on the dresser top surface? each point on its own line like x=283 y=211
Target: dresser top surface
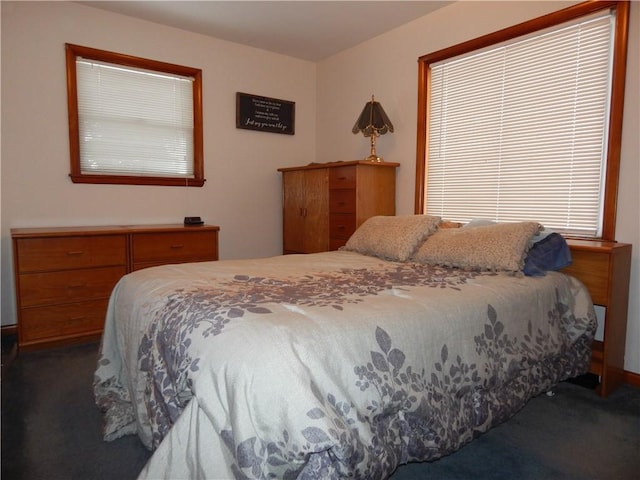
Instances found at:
x=106 y=230
x=340 y=164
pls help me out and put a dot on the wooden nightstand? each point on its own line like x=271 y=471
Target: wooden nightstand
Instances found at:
x=64 y=276
x=604 y=268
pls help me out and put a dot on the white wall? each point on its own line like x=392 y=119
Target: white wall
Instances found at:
x=242 y=193
x=387 y=67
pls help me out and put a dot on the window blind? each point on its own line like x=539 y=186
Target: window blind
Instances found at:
x=518 y=131
x=133 y=121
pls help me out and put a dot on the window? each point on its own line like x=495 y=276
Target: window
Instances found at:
x=524 y=124
x=132 y=120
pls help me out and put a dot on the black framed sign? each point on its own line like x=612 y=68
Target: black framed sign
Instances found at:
x=265 y=114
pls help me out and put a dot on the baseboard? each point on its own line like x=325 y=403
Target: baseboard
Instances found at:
x=9 y=330
x=632 y=378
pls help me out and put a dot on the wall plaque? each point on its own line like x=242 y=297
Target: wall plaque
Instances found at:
x=265 y=114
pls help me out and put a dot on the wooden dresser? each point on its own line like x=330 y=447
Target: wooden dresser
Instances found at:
x=324 y=203
x=604 y=268
x=64 y=276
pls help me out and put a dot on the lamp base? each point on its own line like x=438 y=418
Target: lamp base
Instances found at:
x=374 y=158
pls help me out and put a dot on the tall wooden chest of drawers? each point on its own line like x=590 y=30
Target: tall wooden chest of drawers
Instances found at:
x=64 y=276
x=324 y=203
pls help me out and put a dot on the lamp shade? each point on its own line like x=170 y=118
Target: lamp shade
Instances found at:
x=373 y=120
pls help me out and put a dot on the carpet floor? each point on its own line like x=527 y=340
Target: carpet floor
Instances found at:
x=51 y=430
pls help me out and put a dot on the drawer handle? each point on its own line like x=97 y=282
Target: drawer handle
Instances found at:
x=177 y=246
x=75 y=253
x=342 y=178
x=76 y=285
x=340 y=227
x=341 y=204
x=77 y=319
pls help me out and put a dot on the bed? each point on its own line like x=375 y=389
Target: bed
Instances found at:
x=403 y=346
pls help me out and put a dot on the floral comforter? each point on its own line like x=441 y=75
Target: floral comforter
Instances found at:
x=328 y=365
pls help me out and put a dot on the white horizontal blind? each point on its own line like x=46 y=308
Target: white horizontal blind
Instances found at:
x=518 y=132
x=134 y=122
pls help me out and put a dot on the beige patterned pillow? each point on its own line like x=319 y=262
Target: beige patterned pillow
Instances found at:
x=392 y=237
x=502 y=246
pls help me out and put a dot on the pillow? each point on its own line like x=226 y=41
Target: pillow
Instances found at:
x=392 y=237
x=550 y=252
x=502 y=246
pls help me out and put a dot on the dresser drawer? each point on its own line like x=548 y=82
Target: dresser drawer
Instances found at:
x=342 y=177
x=49 y=322
x=68 y=253
x=342 y=226
x=336 y=243
x=342 y=201
x=68 y=285
x=168 y=247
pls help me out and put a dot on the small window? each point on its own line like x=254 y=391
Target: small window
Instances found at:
x=528 y=128
x=132 y=120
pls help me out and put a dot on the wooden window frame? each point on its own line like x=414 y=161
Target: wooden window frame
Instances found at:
x=74 y=51
x=614 y=134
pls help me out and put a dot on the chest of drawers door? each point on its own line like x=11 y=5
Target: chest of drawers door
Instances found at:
x=64 y=276
x=305 y=208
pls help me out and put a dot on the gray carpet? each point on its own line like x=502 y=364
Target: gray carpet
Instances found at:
x=51 y=430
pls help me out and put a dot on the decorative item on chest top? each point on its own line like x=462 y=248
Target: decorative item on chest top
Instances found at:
x=373 y=122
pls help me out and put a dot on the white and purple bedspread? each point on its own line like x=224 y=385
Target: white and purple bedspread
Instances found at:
x=328 y=365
